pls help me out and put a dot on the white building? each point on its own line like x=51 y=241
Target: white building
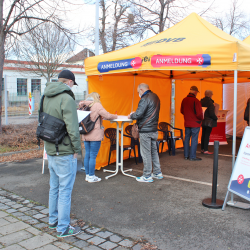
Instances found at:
x=20 y=80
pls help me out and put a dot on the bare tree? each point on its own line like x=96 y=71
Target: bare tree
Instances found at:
x=14 y=17
x=124 y=22
x=158 y=15
x=44 y=48
x=117 y=29
x=235 y=21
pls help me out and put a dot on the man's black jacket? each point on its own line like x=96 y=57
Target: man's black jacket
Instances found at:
x=246 y=113
x=146 y=107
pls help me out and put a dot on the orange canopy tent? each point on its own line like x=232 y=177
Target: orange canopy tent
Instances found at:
x=193 y=52
x=247 y=40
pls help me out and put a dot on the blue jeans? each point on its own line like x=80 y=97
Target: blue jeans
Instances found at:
x=194 y=132
x=91 y=151
x=62 y=178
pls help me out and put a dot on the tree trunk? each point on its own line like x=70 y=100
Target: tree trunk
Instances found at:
x=115 y=34
x=2 y=55
x=102 y=30
x=161 y=14
x=1 y=76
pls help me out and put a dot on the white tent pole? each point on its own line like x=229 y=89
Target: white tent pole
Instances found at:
x=172 y=111
x=234 y=122
x=133 y=95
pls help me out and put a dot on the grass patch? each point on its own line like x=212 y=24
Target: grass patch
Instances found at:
x=18 y=137
x=8 y=149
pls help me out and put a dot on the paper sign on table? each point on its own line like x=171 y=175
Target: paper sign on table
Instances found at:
x=123 y=117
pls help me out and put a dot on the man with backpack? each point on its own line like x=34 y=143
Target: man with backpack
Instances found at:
x=59 y=102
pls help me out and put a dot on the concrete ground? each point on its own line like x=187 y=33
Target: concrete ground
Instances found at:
x=20 y=119
x=168 y=213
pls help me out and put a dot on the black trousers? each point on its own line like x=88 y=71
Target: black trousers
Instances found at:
x=206 y=131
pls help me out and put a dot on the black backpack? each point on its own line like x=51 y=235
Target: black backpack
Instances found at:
x=50 y=128
x=87 y=125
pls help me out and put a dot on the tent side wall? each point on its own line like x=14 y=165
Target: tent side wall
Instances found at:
x=243 y=90
x=182 y=88
x=117 y=92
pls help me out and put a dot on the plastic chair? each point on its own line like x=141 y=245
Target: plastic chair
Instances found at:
x=110 y=133
x=162 y=140
x=172 y=138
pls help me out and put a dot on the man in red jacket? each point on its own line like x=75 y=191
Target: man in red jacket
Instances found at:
x=193 y=115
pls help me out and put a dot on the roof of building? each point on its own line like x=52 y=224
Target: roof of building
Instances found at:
x=81 y=56
x=6 y=61
x=17 y=65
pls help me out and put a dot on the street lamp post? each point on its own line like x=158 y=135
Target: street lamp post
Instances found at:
x=97 y=27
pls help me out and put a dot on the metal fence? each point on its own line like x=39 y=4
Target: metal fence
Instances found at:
x=18 y=105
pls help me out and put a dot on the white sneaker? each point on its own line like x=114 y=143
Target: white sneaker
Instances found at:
x=144 y=179
x=94 y=179
x=157 y=176
x=87 y=177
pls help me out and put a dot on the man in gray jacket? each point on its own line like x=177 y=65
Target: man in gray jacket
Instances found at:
x=59 y=102
x=147 y=116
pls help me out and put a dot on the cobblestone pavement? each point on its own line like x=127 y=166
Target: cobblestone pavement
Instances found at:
x=24 y=225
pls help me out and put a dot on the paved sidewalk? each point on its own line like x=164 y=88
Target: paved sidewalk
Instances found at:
x=24 y=225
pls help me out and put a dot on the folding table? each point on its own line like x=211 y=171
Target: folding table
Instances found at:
x=119 y=165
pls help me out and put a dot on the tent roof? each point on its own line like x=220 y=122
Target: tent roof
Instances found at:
x=191 y=45
x=247 y=40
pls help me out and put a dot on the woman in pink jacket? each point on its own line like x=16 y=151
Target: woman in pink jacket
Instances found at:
x=92 y=140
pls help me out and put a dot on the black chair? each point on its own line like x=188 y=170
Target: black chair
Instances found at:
x=172 y=138
x=110 y=133
x=165 y=138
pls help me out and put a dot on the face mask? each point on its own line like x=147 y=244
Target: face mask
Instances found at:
x=139 y=95
x=68 y=86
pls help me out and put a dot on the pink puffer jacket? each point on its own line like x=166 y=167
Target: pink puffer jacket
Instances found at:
x=97 y=134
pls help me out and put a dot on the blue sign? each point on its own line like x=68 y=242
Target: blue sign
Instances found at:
x=206 y=60
x=105 y=67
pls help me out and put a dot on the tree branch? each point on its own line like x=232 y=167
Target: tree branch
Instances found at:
x=9 y=14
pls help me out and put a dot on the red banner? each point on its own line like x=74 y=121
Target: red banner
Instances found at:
x=158 y=61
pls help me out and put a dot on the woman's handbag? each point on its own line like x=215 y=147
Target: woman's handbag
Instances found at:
x=207 y=122
x=135 y=129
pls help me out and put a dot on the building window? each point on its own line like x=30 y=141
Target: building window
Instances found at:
x=54 y=80
x=21 y=86
x=2 y=84
x=35 y=85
